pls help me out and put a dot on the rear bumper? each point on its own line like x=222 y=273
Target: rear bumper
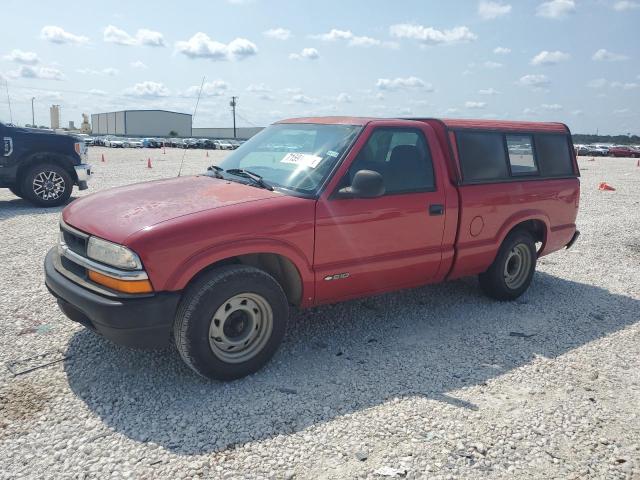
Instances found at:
x=134 y=322
x=83 y=172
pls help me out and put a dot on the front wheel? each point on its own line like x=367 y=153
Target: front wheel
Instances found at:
x=47 y=185
x=230 y=322
x=511 y=272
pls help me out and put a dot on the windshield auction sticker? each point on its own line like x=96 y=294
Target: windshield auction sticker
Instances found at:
x=302 y=159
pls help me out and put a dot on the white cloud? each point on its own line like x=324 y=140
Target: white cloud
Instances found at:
x=43 y=73
x=403 y=83
x=489 y=91
x=625 y=85
x=306 y=53
x=550 y=58
x=148 y=89
x=96 y=91
x=113 y=34
x=344 y=98
x=490 y=64
x=556 y=8
x=604 y=55
x=354 y=40
x=150 y=38
x=490 y=10
x=551 y=107
x=300 y=98
x=501 y=50
x=577 y=112
x=109 y=71
x=597 y=83
x=278 y=33
x=25 y=58
x=215 y=88
x=258 y=88
x=58 y=35
x=624 y=5
x=432 y=36
x=535 y=81
x=475 y=105
x=202 y=46
x=139 y=64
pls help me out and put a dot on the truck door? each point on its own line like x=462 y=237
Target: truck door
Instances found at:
x=370 y=245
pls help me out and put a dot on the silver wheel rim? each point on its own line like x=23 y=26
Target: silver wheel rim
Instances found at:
x=48 y=185
x=517 y=266
x=240 y=328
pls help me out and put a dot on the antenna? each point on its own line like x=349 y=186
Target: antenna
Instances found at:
x=192 y=117
x=6 y=84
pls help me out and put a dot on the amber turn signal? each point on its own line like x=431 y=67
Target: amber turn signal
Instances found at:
x=124 y=286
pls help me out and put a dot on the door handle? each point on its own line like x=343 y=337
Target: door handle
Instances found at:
x=436 y=209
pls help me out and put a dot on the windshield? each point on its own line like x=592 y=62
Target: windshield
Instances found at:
x=294 y=156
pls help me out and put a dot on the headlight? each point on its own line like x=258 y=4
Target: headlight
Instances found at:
x=112 y=254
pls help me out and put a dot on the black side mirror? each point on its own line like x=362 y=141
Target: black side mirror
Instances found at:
x=365 y=184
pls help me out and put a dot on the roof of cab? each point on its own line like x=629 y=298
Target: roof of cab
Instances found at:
x=452 y=123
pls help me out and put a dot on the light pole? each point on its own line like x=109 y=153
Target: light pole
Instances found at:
x=233 y=104
x=33 y=114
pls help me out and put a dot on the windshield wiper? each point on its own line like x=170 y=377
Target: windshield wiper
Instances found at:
x=257 y=179
x=215 y=170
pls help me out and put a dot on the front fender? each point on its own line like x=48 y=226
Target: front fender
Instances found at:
x=219 y=252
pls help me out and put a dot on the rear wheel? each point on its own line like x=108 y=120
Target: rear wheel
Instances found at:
x=511 y=272
x=47 y=185
x=230 y=322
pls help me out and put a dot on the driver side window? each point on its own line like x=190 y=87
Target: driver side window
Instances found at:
x=401 y=156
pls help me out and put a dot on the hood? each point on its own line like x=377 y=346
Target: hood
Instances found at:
x=117 y=213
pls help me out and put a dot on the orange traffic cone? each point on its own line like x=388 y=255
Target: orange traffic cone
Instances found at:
x=604 y=186
x=207 y=153
x=149 y=163
x=103 y=157
x=638 y=163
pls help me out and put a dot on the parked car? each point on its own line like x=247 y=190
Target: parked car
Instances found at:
x=41 y=166
x=364 y=206
x=150 y=143
x=223 y=145
x=599 y=150
x=114 y=142
x=623 y=151
x=132 y=143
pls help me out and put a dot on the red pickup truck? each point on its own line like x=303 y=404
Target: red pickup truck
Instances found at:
x=312 y=211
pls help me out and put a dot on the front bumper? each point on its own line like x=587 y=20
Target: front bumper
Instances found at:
x=83 y=172
x=134 y=322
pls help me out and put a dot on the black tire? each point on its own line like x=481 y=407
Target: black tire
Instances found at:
x=32 y=189
x=16 y=191
x=213 y=293
x=498 y=282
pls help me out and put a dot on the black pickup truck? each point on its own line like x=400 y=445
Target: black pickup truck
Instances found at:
x=42 y=166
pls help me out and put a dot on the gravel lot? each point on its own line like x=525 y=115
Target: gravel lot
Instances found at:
x=436 y=382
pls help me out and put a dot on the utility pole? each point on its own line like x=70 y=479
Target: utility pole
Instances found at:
x=33 y=114
x=233 y=104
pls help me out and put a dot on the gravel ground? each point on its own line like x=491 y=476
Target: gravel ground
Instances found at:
x=436 y=382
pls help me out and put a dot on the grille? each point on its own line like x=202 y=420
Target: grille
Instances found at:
x=76 y=243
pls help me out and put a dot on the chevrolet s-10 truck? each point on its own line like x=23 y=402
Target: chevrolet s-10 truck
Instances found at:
x=307 y=212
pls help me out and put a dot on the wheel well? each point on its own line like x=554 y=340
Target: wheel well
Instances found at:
x=278 y=266
x=39 y=158
x=536 y=228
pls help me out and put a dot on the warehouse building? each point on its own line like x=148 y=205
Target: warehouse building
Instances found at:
x=242 y=133
x=142 y=123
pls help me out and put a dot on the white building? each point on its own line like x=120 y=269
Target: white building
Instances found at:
x=54 y=113
x=142 y=123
